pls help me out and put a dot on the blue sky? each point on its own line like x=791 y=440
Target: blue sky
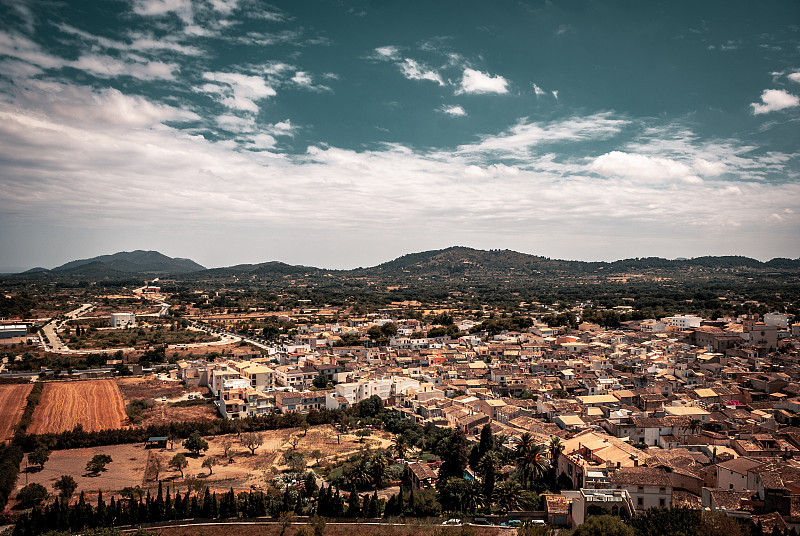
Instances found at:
x=343 y=134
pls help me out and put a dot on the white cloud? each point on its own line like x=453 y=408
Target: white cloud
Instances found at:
x=103 y=173
x=182 y=8
x=241 y=90
x=302 y=78
x=795 y=77
x=453 y=110
x=539 y=91
x=477 y=82
x=642 y=167
x=522 y=137
x=387 y=53
x=773 y=100
x=108 y=67
x=413 y=70
x=709 y=169
x=555 y=94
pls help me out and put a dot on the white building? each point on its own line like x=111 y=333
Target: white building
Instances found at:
x=683 y=321
x=122 y=320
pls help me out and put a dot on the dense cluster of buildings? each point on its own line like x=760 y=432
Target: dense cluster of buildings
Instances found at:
x=678 y=411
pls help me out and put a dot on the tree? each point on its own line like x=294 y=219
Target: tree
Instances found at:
x=320 y=381
x=194 y=443
x=455 y=464
x=226 y=444
x=39 y=456
x=718 y=524
x=98 y=463
x=32 y=494
x=295 y=460
x=316 y=454
x=208 y=463
x=487 y=440
x=400 y=446
x=66 y=486
x=179 y=462
x=508 y=495
x=660 y=522
x=531 y=463
x=605 y=525
x=251 y=441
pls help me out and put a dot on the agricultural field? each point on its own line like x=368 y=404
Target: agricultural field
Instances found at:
x=12 y=403
x=95 y=404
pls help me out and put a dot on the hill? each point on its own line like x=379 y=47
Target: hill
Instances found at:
x=127 y=262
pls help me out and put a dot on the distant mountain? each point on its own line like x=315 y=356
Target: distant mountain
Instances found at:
x=463 y=268
x=127 y=262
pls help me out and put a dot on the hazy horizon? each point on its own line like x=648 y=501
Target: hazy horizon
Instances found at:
x=344 y=135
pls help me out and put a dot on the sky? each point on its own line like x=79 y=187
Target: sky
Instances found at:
x=343 y=133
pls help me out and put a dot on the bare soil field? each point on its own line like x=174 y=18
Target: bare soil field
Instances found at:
x=162 y=413
x=95 y=404
x=149 y=386
x=125 y=469
x=12 y=403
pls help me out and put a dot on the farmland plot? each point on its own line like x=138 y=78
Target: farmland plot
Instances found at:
x=95 y=404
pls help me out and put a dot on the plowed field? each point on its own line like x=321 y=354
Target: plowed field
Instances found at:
x=12 y=402
x=95 y=404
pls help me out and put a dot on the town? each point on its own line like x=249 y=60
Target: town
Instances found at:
x=560 y=413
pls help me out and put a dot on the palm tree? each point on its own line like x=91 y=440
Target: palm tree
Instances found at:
x=400 y=446
x=378 y=469
x=556 y=448
x=508 y=495
x=473 y=497
x=531 y=462
x=694 y=424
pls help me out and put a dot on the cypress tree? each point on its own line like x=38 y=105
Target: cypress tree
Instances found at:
x=374 y=507
x=100 y=516
x=353 y=504
x=390 y=507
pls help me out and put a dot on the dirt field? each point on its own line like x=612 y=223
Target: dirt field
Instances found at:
x=162 y=413
x=150 y=387
x=95 y=404
x=125 y=469
x=12 y=402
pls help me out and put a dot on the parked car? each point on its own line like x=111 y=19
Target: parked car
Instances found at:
x=452 y=522
x=481 y=521
x=511 y=523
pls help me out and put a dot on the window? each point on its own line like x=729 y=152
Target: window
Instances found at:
x=639 y=501
x=662 y=503
x=662 y=490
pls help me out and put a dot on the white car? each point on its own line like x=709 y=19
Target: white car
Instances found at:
x=452 y=522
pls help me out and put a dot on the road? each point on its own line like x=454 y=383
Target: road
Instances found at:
x=51 y=327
